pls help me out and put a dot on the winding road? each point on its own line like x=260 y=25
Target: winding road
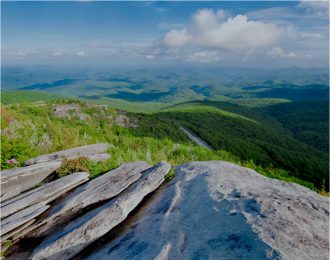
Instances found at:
x=195 y=138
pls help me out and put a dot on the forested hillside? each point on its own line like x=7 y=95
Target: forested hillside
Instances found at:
x=258 y=138
x=308 y=121
x=248 y=136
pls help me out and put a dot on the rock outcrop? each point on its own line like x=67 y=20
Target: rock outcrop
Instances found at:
x=70 y=111
x=79 y=151
x=219 y=210
x=71 y=239
x=210 y=209
x=24 y=208
x=45 y=193
x=20 y=179
x=17 y=180
x=96 y=191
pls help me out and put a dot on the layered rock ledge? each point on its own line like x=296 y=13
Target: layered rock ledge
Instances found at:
x=214 y=210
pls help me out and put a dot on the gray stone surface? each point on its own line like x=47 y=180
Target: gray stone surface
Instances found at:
x=14 y=221
x=71 y=239
x=46 y=193
x=218 y=210
x=70 y=111
x=17 y=180
x=125 y=121
x=12 y=234
x=102 y=157
x=100 y=189
x=20 y=179
x=78 y=151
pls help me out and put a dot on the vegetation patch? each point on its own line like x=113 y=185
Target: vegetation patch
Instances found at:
x=69 y=166
x=269 y=148
x=170 y=175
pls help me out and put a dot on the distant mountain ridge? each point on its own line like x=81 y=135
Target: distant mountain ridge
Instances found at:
x=129 y=90
x=45 y=86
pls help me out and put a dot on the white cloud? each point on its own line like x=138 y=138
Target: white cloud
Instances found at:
x=81 y=54
x=150 y=57
x=213 y=29
x=309 y=35
x=56 y=53
x=204 y=56
x=15 y=53
x=317 y=8
x=177 y=38
x=277 y=52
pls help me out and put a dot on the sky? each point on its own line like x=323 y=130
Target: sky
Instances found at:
x=222 y=33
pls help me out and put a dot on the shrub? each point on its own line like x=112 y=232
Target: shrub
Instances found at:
x=170 y=175
x=69 y=166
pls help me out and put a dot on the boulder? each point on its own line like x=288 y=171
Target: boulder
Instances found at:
x=78 y=151
x=44 y=194
x=95 y=191
x=71 y=239
x=215 y=210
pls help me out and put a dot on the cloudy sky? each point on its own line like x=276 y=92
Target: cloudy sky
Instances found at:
x=257 y=34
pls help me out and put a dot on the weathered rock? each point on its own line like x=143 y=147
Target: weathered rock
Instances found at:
x=219 y=210
x=12 y=234
x=20 y=179
x=78 y=151
x=69 y=111
x=125 y=121
x=17 y=180
x=21 y=217
x=100 y=189
x=74 y=237
x=46 y=193
x=102 y=157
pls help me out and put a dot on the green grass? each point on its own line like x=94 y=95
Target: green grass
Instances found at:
x=19 y=96
x=29 y=130
x=197 y=108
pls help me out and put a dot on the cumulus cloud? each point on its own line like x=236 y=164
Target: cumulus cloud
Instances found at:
x=277 y=52
x=215 y=29
x=177 y=38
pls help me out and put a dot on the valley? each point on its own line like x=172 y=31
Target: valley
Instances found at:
x=285 y=139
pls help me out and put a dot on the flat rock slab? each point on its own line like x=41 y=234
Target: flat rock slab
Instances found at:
x=100 y=189
x=78 y=151
x=20 y=179
x=218 y=210
x=20 y=218
x=102 y=157
x=12 y=234
x=17 y=180
x=46 y=193
x=81 y=232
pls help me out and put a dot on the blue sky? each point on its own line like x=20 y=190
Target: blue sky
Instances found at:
x=260 y=33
